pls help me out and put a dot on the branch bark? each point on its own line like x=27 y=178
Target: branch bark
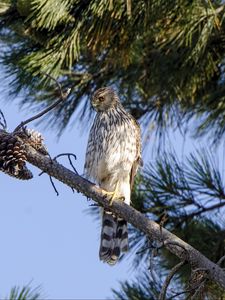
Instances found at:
x=174 y=244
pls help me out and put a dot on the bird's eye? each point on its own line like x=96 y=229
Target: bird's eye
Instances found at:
x=101 y=99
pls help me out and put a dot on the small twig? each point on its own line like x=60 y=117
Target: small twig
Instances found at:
x=63 y=97
x=56 y=82
x=163 y=220
x=150 y=247
x=151 y=268
x=220 y=261
x=54 y=187
x=51 y=180
x=175 y=269
x=65 y=154
x=180 y=293
x=94 y=204
x=143 y=250
x=198 y=290
x=69 y=157
x=38 y=115
x=4 y=123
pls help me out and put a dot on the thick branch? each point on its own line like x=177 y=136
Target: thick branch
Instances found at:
x=174 y=244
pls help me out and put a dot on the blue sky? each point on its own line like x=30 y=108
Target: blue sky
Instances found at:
x=48 y=239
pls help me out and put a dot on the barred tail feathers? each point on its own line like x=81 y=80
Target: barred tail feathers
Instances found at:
x=114 y=238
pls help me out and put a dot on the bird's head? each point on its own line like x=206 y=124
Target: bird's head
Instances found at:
x=104 y=99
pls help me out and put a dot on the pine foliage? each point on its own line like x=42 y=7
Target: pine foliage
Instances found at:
x=144 y=290
x=184 y=194
x=165 y=58
x=188 y=199
x=24 y=293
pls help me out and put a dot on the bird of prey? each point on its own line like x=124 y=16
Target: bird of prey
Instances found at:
x=113 y=156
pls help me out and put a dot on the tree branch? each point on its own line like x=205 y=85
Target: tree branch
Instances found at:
x=205 y=209
x=63 y=96
x=174 y=244
x=174 y=270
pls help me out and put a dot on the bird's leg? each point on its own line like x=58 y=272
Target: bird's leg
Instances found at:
x=114 y=195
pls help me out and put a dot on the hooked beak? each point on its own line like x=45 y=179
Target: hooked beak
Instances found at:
x=94 y=104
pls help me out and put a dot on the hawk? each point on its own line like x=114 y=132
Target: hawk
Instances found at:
x=113 y=156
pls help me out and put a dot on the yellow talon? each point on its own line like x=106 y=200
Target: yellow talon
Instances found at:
x=114 y=195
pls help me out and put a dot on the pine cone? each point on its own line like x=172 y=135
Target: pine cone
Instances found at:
x=34 y=138
x=25 y=174
x=197 y=283
x=13 y=157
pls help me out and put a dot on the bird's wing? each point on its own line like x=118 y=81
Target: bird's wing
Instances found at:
x=89 y=159
x=138 y=161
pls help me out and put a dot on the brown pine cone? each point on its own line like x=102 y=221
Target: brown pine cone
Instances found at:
x=33 y=138
x=13 y=157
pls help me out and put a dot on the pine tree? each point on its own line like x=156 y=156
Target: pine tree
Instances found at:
x=166 y=60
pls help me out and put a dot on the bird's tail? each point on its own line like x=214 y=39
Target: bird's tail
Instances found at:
x=114 y=238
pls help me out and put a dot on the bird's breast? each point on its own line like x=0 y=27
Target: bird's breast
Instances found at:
x=115 y=150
